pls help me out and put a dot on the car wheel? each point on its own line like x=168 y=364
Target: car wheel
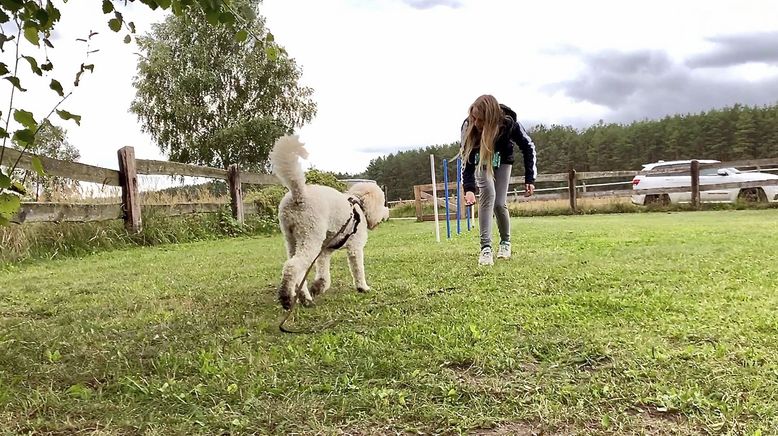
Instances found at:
x=658 y=200
x=752 y=195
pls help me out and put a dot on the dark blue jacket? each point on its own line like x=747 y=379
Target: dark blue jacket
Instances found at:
x=511 y=132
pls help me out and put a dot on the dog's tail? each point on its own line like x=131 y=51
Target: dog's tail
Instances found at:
x=285 y=160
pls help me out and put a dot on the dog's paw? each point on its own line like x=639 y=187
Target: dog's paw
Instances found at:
x=363 y=289
x=284 y=298
x=318 y=287
x=307 y=302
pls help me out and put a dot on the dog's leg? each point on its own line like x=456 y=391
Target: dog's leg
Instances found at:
x=322 y=282
x=357 y=266
x=293 y=272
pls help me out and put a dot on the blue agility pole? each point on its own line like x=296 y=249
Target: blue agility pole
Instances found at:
x=445 y=190
x=459 y=193
x=467 y=213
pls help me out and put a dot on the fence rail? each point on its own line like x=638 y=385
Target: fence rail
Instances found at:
x=127 y=178
x=59 y=168
x=577 y=190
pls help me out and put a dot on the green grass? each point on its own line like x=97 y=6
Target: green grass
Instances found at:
x=56 y=240
x=657 y=323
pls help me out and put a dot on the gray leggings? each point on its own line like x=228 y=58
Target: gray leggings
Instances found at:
x=494 y=194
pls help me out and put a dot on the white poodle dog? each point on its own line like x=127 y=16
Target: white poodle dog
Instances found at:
x=317 y=220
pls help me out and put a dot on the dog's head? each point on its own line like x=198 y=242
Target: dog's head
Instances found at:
x=373 y=200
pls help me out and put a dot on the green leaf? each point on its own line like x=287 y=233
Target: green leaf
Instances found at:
x=25 y=118
x=65 y=115
x=48 y=43
x=212 y=16
x=24 y=136
x=272 y=52
x=226 y=18
x=241 y=36
x=107 y=6
x=3 y=39
x=132 y=26
x=90 y=67
x=114 y=24
x=31 y=34
x=16 y=186
x=270 y=37
x=37 y=166
x=5 y=181
x=16 y=83
x=48 y=66
x=127 y=39
x=3 y=133
x=9 y=204
x=33 y=65
x=57 y=87
x=3 y=69
x=43 y=17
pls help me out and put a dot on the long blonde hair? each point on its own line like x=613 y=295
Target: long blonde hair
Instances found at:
x=487 y=111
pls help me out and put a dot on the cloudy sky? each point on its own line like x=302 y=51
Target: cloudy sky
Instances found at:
x=398 y=74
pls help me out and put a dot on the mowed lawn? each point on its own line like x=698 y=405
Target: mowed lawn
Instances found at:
x=661 y=323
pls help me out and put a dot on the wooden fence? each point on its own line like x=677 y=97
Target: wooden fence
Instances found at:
x=127 y=179
x=574 y=190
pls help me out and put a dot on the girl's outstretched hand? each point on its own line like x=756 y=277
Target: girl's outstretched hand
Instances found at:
x=469 y=198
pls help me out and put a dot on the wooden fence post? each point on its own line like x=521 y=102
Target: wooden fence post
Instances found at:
x=571 y=180
x=128 y=179
x=419 y=208
x=695 y=173
x=236 y=192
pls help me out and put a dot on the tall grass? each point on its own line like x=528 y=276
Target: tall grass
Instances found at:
x=54 y=240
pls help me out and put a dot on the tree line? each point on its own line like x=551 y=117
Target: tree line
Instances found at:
x=731 y=133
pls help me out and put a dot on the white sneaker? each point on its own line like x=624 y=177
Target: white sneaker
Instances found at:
x=504 y=252
x=486 y=257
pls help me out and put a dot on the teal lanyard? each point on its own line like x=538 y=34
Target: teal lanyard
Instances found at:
x=495 y=159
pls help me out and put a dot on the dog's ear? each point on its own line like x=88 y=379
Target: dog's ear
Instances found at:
x=373 y=200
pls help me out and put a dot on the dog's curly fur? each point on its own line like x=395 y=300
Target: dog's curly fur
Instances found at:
x=312 y=215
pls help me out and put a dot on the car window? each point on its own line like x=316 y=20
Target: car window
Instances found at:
x=709 y=172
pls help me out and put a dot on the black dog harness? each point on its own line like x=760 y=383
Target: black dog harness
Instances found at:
x=355 y=203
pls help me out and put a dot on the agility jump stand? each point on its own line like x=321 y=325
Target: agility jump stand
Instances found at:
x=447 y=198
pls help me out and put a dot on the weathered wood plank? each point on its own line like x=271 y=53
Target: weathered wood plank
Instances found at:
x=572 y=191
x=184 y=208
x=555 y=177
x=129 y=182
x=588 y=175
x=695 y=172
x=605 y=194
x=259 y=179
x=165 y=168
x=236 y=192
x=59 y=168
x=58 y=212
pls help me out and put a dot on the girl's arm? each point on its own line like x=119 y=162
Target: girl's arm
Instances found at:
x=519 y=136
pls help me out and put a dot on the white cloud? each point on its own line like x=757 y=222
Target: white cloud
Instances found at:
x=389 y=75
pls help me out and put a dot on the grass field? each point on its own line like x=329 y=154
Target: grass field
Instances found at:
x=660 y=323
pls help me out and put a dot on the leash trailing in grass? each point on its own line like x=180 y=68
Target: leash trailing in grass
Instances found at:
x=333 y=322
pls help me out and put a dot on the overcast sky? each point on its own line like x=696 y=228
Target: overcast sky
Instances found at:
x=398 y=74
